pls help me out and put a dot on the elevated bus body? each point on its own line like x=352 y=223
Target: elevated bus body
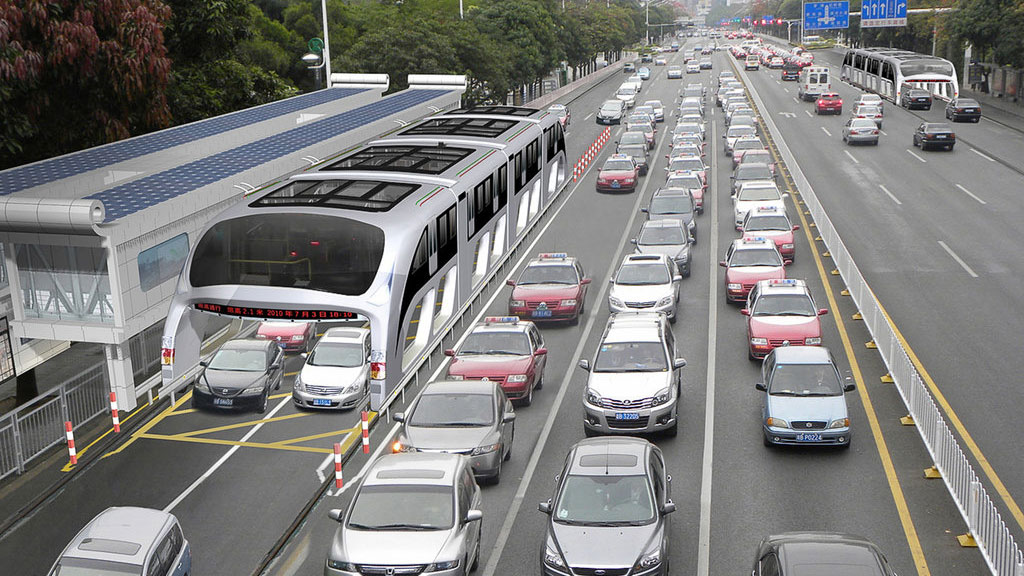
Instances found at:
x=887 y=71
x=400 y=233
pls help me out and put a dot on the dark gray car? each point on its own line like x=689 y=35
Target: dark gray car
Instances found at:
x=609 y=514
x=241 y=374
x=796 y=553
x=674 y=203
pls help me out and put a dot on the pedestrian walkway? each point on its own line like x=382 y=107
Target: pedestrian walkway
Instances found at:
x=1001 y=110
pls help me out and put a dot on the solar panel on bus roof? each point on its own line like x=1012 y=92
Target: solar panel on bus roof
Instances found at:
x=353 y=194
x=46 y=171
x=418 y=159
x=479 y=127
x=496 y=111
x=131 y=197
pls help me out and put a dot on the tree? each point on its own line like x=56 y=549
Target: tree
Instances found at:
x=76 y=73
x=996 y=25
x=527 y=30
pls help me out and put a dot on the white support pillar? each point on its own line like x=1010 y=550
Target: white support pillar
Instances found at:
x=119 y=369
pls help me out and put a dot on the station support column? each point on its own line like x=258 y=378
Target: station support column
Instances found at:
x=122 y=379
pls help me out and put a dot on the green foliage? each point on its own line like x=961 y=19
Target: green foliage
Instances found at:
x=992 y=25
x=220 y=86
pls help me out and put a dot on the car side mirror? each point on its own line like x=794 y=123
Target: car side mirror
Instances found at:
x=474 y=515
x=541 y=351
x=632 y=240
x=335 y=514
x=585 y=364
x=509 y=417
x=204 y=363
x=785 y=195
x=449 y=352
x=796 y=227
x=787 y=262
x=679 y=363
x=585 y=281
x=398 y=416
x=822 y=311
x=745 y=311
x=677 y=278
x=722 y=263
x=304 y=355
x=849 y=387
x=761 y=386
x=669 y=507
x=545 y=507
x=733 y=177
x=510 y=282
x=274 y=366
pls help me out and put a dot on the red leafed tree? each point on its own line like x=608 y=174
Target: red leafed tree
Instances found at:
x=78 y=73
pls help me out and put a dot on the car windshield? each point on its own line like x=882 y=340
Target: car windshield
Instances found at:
x=340 y=354
x=638 y=151
x=784 y=305
x=654 y=104
x=862 y=123
x=693 y=93
x=645 y=110
x=610 y=107
x=618 y=165
x=805 y=380
x=496 y=342
x=685 y=129
x=548 y=274
x=638 y=124
x=964 y=102
x=457 y=409
x=69 y=566
x=755 y=257
x=754 y=172
x=626 y=91
x=676 y=204
x=687 y=164
x=764 y=223
x=737 y=131
x=560 y=112
x=688 y=181
x=749 y=145
x=869 y=110
x=605 y=500
x=642 y=274
x=932 y=128
x=397 y=507
x=239 y=360
x=661 y=236
x=631 y=357
x=633 y=138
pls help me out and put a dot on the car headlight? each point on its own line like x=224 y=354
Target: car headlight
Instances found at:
x=734 y=286
x=840 y=423
x=201 y=385
x=552 y=558
x=343 y=566
x=665 y=301
x=515 y=378
x=353 y=387
x=787 y=246
x=516 y=303
x=261 y=336
x=298 y=338
x=649 y=560
x=661 y=397
x=569 y=302
x=813 y=341
x=438 y=566
x=759 y=341
x=615 y=301
x=299 y=384
x=456 y=377
x=487 y=449
x=254 y=389
x=776 y=423
x=593 y=397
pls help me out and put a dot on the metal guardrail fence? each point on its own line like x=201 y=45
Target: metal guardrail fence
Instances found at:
x=31 y=429
x=1001 y=552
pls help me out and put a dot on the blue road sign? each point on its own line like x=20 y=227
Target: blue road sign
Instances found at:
x=827 y=15
x=880 y=13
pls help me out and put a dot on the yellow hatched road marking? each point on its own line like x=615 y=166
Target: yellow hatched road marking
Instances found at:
x=371 y=416
x=149 y=425
x=69 y=466
x=219 y=442
x=246 y=424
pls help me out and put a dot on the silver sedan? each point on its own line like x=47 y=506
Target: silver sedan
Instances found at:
x=860 y=130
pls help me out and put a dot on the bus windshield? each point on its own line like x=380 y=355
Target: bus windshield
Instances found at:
x=918 y=67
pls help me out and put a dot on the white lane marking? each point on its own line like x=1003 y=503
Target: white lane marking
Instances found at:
x=778 y=82
x=209 y=472
x=808 y=112
x=958 y=259
x=883 y=132
x=588 y=116
x=855 y=161
x=787 y=90
x=825 y=130
x=707 y=460
x=989 y=158
x=894 y=198
x=911 y=152
x=971 y=194
x=795 y=99
x=531 y=466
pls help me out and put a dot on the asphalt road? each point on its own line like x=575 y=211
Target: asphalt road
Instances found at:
x=234 y=502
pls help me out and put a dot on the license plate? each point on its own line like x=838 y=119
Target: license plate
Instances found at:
x=941 y=136
x=223 y=401
x=321 y=402
x=808 y=437
x=627 y=416
x=542 y=313
x=969 y=110
x=616 y=184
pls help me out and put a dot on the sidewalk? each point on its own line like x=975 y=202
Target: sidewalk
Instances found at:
x=1001 y=110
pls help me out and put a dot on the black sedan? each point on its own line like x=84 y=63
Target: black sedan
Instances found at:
x=241 y=374
x=959 y=109
x=912 y=98
x=934 y=135
x=792 y=553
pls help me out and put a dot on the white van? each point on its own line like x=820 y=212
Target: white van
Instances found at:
x=752 y=62
x=814 y=81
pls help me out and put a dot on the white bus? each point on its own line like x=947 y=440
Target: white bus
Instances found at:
x=887 y=71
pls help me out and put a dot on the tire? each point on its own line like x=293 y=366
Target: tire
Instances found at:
x=588 y=432
x=767 y=443
x=845 y=447
x=673 y=431
x=976 y=120
x=265 y=400
x=511 y=441
x=875 y=143
x=540 y=381
x=950 y=147
x=528 y=399
x=476 y=558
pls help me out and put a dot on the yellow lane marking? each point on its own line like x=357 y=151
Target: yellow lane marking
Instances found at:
x=69 y=466
x=281 y=395
x=246 y=424
x=916 y=551
x=235 y=443
x=292 y=373
x=371 y=416
x=149 y=425
x=975 y=450
x=180 y=412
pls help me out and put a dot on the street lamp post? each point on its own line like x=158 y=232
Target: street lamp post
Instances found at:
x=315 y=62
x=326 y=55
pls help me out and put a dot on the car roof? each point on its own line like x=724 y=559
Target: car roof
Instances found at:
x=802 y=355
x=610 y=456
x=785 y=286
x=634 y=327
x=460 y=387
x=663 y=223
x=682 y=192
x=752 y=242
x=848 y=549
x=247 y=344
x=124 y=533
x=404 y=468
x=345 y=334
x=518 y=326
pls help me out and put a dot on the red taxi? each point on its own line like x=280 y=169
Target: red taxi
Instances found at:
x=506 y=350
x=619 y=173
x=748 y=261
x=551 y=287
x=292 y=336
x=781 y=313
x=770 y=222
x=829 y=102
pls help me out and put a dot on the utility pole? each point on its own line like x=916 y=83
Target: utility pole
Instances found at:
x=461 y=16
x=327 y=47
x=647 y=20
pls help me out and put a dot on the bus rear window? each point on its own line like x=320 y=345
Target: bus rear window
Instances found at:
x=324 y=253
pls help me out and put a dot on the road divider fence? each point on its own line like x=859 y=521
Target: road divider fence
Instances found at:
x=69 y=433
x=591 y=154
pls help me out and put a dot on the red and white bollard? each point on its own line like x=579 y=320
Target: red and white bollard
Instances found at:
x=71 y=442
x=366 y=432
x=113 y=412
x=337 y=465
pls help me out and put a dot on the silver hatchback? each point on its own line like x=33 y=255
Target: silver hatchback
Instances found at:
x=645 y=282
x=127 y=540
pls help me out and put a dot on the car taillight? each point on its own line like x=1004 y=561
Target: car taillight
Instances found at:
x=874 y=131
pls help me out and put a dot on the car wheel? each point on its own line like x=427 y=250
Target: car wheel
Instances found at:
x=511 y=440
x=673 y=431
x=847 y=445
x=277 y=386
x=976 y=120
x=264 y=400
x=767 y=442
x=588 y=432
x=950 y=148
x=476 y=558
x=528 y=399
